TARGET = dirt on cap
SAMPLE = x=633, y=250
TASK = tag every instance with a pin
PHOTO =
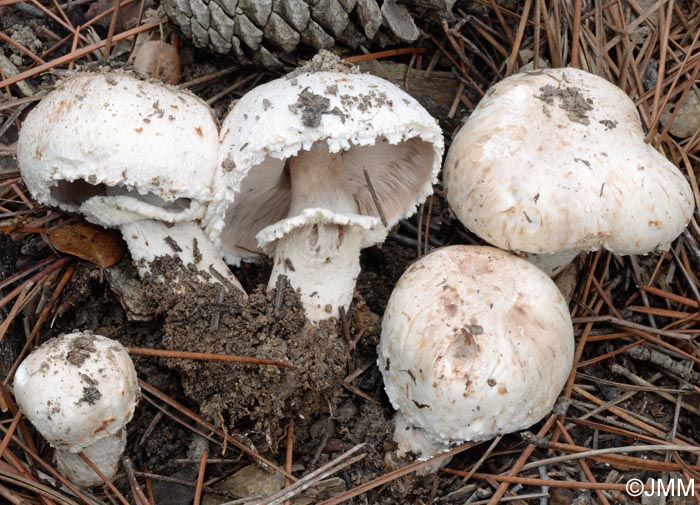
x=571, y=100
x=81, y=348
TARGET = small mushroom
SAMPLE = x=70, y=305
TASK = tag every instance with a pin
x=126, y=153
x=475, y=342
x=554, y=163
x=318, y=165
x=79, y=391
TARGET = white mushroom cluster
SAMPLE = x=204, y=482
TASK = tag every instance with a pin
x=311, y=168
x=307, y=168
x=477, y=342
x=79, y=391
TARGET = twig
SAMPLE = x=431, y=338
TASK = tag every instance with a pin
x=388, y=477
x=163, y=353
x=216, y=317
x=611, y=450
x=628, y=324
x=102, y=476
x=208, y=77
x=31, y=485
x=575, y=34
x=187, y=412
x=136, y=490
x=481, y=460
x=200, y=477
x=384, y=54
x=236, y=85
x=643, y=353
x=375, y=199
x=513, y=58
x=289, y=454
x=77, y=54
x=529, y=481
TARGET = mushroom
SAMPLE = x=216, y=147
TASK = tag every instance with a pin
x=318, y=165
x=554, y=163
x=79, y=390
x=475, y=342
x=131, y=154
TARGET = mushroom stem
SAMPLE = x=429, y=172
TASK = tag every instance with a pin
x=319, y=246
x=153, y=229
x=322, y=261
x=552, y=264
x=105, y=454
x=318, y=180
x=148, y=239
x=415, y=440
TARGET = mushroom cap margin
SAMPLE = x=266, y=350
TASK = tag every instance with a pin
x=117, y=130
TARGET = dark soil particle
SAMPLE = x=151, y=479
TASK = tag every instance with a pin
x=312, y=108
x=8, y=256
x=323, y=61
x=86, y=304
x=381, y=269
x=81, y=348
x=571, y=100
x=90, y=395
x=164, y=441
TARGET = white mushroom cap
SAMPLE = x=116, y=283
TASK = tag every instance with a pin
x=555, y=161
x=475, y=343
x=130, y=154
x=114, y=130
x=375, y=125
x=296, y=156
x=77, y=389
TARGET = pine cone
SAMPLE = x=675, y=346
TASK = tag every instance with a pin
x=258, y=30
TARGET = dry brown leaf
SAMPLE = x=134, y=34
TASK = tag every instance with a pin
x=90, y=242
x=159, y=60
